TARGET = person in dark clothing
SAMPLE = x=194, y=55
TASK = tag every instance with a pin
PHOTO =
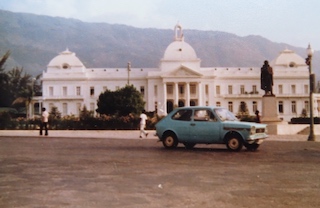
x=257, y=120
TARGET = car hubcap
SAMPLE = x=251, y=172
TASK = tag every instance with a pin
x=169, y=141
x=234, y=143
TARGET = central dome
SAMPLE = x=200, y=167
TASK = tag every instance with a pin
x=179, y=50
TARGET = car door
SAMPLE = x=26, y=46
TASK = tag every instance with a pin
x=181, y=124
x=205, y=127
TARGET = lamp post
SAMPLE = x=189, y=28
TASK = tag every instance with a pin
x=129, y=69
x=311, y=83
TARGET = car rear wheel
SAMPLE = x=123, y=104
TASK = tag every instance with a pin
x=234, y=143
x=170, y=141
x=189, y=145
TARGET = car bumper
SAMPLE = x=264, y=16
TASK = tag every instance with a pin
x=257, y=138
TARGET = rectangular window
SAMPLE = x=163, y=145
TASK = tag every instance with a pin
x=192, y=89
x=64, y=91
x=218, y=104
x=306, y=89
x=254, y=106
x=293, y=107
x=155, y=90
x=78, y=108
x=170, y=89
x=50, y=91
x=306, y=105
x=91, y=91
x=78, y=90
x=280, y=107
x=241, y=89
x=218, y=89
x=207, y=89
x=293, y=89
x=280, y=88
x=230, y=106
x=230, y=89
x=142, y=90
x=181, y=89
x=64, y=109
x=254, y=89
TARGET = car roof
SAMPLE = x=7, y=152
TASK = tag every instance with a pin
x=197, y=107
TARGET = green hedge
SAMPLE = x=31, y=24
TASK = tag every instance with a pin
x=74, y=123
x=304, y=120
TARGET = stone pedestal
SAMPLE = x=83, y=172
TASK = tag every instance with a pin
x=269, y=110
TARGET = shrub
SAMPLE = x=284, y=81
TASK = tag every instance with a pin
x=304, y=120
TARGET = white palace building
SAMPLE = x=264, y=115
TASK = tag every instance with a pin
x=178, y=81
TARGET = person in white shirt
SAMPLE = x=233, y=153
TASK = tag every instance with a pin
x=44, y=122
x=143, y=121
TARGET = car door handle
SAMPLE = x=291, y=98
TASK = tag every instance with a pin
x=192, y=124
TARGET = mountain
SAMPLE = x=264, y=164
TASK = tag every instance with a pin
x=35, y=39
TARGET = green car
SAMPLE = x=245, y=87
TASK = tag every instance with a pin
x=209, y=125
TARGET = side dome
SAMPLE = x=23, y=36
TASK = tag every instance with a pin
x=288, y=58
x=65, y=60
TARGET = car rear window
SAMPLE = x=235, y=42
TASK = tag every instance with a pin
x=182, y=115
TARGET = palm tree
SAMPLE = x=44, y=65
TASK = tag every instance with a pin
x=22, y=86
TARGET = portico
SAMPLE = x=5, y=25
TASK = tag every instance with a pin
x=179, y=94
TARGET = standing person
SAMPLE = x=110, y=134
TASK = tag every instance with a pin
x=143, y=120
x=257, y=117
x=44, y=121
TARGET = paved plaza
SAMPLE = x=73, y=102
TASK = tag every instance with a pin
x=120, y=170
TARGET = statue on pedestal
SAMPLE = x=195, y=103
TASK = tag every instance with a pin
x=267, y=78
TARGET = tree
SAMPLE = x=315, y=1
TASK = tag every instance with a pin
x=4, y=82
x=85, y=113
x=21, y=88
x=243, y=110
x=121, y=102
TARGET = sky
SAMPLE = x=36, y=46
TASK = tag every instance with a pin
x=295, y=22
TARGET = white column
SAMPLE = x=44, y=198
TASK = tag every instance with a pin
x=164, y=98
x=30, y=114
x=188, y=94
x=200, y=94
x=176, y=94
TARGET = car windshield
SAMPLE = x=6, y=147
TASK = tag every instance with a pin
x=225, y=115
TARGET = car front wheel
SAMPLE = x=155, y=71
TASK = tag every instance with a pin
x=170, y=141
x=234, y=143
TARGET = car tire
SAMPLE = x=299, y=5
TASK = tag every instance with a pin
x=234, y=143
x=252, y=147
x=189, y=145
x=170, y=141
